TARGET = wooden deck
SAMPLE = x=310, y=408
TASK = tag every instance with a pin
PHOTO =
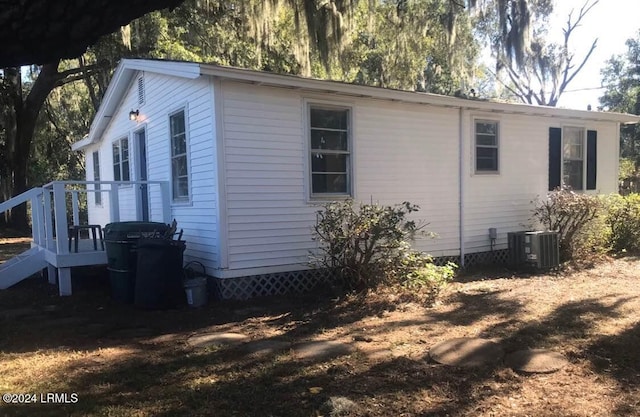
x=50, y=218
x=85, y=256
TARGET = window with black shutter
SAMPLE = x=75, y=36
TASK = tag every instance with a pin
x=573, y=158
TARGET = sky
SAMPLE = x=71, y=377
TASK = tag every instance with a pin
x=612, y=22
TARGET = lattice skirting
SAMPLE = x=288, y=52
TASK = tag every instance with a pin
x=496, y=257
x=301, y=282
x=280, y=283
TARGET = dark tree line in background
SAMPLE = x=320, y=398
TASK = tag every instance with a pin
x=424, y=45
x=621, y=79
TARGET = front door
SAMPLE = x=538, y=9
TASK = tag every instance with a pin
x=143, y=198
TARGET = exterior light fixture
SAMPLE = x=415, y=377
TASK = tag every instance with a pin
x=133, y=115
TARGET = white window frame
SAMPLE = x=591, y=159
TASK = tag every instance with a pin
x=95, y=161
x=180, y=200
x=120, y=164
x=583, y=159
x=477, y=171
x=310, y=151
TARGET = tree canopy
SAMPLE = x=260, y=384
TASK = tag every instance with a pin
x=425, y=45
x=621, y=80
x=41, y=31
x=528, y=65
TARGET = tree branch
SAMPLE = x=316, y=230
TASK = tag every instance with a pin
x=70, y=75
x=566, y=78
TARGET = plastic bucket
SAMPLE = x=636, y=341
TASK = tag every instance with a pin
x=196, y=291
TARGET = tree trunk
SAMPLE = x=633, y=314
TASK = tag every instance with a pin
x=20, y=133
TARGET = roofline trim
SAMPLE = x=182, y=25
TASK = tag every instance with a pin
x=127, y=68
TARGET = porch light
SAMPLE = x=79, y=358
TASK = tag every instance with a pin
x=133, y=114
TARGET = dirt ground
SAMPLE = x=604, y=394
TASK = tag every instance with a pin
x=12, y=246
x=121, y=361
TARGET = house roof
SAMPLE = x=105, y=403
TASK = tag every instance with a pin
x=128, y=68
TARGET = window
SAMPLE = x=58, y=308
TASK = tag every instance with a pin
x=486, y=133
x=121, y=160
x=573, y=157
x=179, y=167
x=96, y=177
x=329, y=151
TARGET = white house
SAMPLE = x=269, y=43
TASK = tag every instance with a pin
x=250, y=155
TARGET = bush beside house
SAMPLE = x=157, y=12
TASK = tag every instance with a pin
x=366, y=245
x=589, y=225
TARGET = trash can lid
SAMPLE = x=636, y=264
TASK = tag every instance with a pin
x=120, y=230
x=152, y=242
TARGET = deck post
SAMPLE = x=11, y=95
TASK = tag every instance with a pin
x=62, y=235
x=166, y=203
x=52, y=274
x=76, y=209
x=64, y=281
x=48, y=221
x=37, y=220
x=60, y=213
x=114, y=204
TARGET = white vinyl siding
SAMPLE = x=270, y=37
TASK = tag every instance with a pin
x=165, y=95
x=268, y=217
x=396, y=159
x=393, y=159
x=505, y=201
x=397, y=152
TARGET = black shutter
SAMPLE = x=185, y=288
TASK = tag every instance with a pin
x=592, y=158
x=555, y=157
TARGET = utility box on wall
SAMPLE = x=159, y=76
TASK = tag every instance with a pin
x=538, y=249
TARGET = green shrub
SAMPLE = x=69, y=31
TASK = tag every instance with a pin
x=364, y=245
x=570, y=214
x=593, y=239
x=422, y=275
x=623, y=219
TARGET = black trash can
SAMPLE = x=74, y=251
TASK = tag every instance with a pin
x=120, y=240
x=158, y=283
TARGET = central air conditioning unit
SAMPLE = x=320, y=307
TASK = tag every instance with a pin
x=538, y=249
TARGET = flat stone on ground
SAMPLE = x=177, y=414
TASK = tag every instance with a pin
x=320, y=349
x=130, y=333
x=163, y=338
x=535, y=361
x=466, y=352
x=15, y=313
x=216, y=339
x=68, y=321
x=264, y=347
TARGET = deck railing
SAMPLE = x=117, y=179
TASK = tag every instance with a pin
x=51, y=214
x=33, y=196
x=55, y=200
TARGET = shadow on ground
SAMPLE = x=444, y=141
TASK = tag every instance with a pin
x=123, y=361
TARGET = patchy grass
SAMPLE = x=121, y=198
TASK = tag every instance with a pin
x=125, y=362
x=12, y=246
